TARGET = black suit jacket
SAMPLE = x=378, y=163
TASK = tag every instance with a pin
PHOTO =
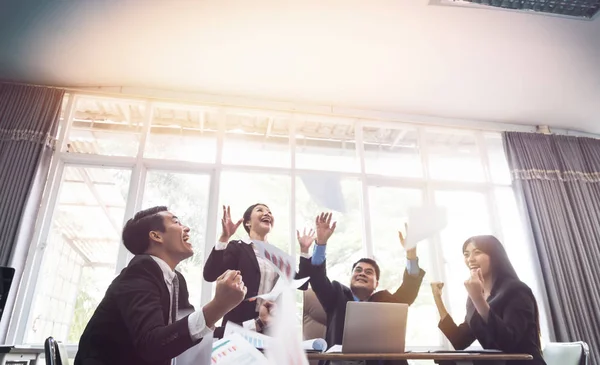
x=237, y=256
x=130, y=324
x=512, y=325
x=333, y=296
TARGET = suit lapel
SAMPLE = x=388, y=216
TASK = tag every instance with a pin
x=165, y=298
x=249, y=252
x=249, y=257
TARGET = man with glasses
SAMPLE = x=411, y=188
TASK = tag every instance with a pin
x=333, y=296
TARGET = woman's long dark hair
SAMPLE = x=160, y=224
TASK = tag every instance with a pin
x=500, y=266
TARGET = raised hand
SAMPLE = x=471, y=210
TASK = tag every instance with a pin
x=228, y=226
x=474, y=285
x=436, y=288
x=412, y=253
x=306, y=239
x=324, y=228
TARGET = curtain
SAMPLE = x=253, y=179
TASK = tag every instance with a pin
x=558, y=178
x=29, y=118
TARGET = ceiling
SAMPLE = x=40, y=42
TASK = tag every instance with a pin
x=405, y=55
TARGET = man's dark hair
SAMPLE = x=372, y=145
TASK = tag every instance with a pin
x=370, y=262
x=248, y=213
x=136, y=230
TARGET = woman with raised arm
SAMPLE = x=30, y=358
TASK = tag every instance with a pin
x=502, y=313
x=259, y=274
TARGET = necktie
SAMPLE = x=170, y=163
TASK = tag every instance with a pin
x=175, y=299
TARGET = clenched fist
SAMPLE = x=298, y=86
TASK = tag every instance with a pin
x=436, y=288
x=230, y=289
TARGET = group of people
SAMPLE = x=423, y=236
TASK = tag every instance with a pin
x=145, y=316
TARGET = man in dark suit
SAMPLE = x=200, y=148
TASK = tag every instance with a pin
x=333, y=296
x=137, y=321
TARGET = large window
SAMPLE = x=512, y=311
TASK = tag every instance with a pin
x=80, y=251
x=187, y=196
x=118, y=156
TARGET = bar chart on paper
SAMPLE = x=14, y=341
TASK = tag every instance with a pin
x=257, y=340
x=236, y=350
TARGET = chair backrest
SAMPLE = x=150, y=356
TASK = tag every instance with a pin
x=566, y=353
x=55, y=352
x=314, y=319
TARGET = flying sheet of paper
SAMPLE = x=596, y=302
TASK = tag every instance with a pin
x=325, y=189
x=257, y=340
x=284, y=264
x=424, y=222
x=286, y=346
x=279, y=287
x=198, y=354
x=235, y=350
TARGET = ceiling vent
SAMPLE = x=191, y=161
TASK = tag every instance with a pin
x=580, y=9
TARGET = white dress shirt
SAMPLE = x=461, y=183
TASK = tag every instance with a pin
x=196, y=322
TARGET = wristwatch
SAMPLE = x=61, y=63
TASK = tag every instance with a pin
x=260, y=325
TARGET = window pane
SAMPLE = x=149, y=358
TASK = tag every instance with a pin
x=386, y=220
x=106, y=127
x=186, y=195
x=180, y=133
x=240, y=190
x=392, y=152
x=345, y=246
x=468, y=216
x=256, y=141
x=81, y=252
x=498, y=164
x=454, y=155
x=323, y=146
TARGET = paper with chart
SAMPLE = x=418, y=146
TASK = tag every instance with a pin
x=235, y=350
x=284, y=264
x=257, y=340
x=198, y=354
x=424, y=222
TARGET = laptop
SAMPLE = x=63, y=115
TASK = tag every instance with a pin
x=374, y=327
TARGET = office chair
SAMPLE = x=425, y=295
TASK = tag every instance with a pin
x=55, y=352
x=566, y=353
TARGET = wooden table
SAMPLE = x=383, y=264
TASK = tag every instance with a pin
x=435, y=356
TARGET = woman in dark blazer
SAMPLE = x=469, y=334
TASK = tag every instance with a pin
x=502, y=313
x=259, y=274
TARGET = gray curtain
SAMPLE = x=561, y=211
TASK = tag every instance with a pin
x=558, y=178
x=28, y=123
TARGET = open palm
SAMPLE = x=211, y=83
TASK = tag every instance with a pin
x=324, y=227
x=306, y=239
x=229, y=227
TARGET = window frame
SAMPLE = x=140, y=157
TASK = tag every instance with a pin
x=140, y=165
